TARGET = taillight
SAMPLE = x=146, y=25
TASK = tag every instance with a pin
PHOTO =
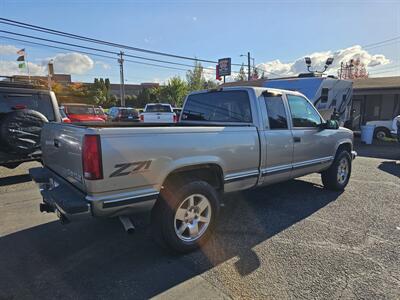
x=175, y=118
x=141, y=118
x=91, y=158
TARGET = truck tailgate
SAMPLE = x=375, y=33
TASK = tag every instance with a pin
x=62, y=151
x=158, y=117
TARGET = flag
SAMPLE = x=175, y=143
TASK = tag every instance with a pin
x=21, y=65
x=21, y=52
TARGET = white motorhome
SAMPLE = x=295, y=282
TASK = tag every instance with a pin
x=331, y=96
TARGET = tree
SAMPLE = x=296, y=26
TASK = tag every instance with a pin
x=255, y=74
x=175, y=91
x=195, y=78
x=210, y=84
x=242, y=74
x=99, y=92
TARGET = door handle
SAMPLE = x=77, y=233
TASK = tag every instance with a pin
x=296, y=139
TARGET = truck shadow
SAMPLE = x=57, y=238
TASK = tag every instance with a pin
x=15, y=179
x=96, y=259
x=391, y=167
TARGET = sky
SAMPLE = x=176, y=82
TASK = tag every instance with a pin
x=278, y=34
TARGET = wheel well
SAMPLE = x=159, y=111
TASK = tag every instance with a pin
x=344, y=146
x=381, y=128
x=210, y=173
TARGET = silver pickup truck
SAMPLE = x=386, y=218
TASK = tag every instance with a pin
x=227, y=140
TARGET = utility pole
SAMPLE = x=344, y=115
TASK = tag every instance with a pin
x=50, y=74
x=121, y=72
x=248, y=67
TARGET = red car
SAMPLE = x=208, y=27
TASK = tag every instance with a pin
x=81, y=113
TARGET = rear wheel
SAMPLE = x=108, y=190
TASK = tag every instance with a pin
x=338, y=174
x=185, y=216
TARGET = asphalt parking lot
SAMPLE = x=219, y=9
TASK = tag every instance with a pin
x=289, y=241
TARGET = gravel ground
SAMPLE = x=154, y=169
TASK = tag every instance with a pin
x=294, y=240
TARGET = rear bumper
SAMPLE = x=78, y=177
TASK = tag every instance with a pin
x=69, y=203
x=60, y=196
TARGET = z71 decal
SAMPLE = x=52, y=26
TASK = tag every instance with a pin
x=130, y=168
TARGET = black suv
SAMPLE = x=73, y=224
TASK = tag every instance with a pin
x=123, y=114
x=23, y=112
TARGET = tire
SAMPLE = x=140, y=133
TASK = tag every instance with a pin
x=381, y=132
x=331, y=178
x=168, y=216
x=20, y=131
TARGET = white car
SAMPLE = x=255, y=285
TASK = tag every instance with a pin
x=158, y=113
x=383, y=128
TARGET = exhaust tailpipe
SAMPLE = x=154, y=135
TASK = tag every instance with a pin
x=127, y=223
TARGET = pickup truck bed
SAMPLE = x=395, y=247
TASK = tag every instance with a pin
x=228, y=140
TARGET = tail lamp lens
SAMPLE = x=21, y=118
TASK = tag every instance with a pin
x=92, y=164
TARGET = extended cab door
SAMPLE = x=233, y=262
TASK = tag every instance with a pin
x=313, y=147
x=277, y=137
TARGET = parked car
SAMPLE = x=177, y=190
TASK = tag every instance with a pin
x=158, y=113
x=98, y=110
x=123, y=114
x=383, y=128
x=81, y=113
x=63, y=115
x=228, y=140
x=24, y=110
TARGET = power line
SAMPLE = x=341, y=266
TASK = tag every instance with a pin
x=98, y=49
x=84, y=38
x=381, y=42
x=111, y=44
x=90, y=53
x=94, y=49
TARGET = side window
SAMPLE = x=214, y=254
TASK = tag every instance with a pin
x=221, y=106
x=276, y=111
x=324, y=95
x=303, y=113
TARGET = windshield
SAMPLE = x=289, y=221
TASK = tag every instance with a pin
x=79, y=110
x=158, y=108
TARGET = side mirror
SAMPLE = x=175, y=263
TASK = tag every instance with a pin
x=330, y=124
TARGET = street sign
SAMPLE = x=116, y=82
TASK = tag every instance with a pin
x=224, y=66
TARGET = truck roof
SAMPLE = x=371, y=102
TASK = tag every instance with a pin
x=258, y=90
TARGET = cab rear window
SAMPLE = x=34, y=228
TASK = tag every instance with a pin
x=221, y=106
x=41, y=103
x=158, y=108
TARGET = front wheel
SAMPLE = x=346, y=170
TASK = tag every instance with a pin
x=185, y=216
x=338, y=175
x=381, y=133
